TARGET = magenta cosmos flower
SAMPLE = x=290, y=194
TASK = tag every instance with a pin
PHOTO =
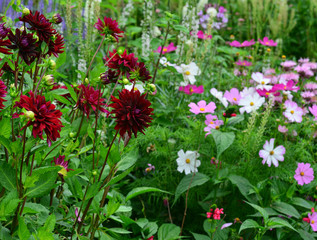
x=313, y=220
x=270, y=154
x=313, y=111
x=235, y=43
x=233, y=96
x=293, y=113
x=268, y=42
x=169, y=48
x=304, y=174
x=243, y=63
x=202, y=107
x=202, y=35
x=190, y=89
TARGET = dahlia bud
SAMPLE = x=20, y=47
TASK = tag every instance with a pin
x=86, y=80
x=94, y=172
x=152, y=87
x=57, y=19
x=283, y=56
x=29, y=115
x=71, y=134
x=125, y=81
x=22, y=28
x=25, y=12
x=52, y=64
x=49, y=80
x=121, y=50
x=13, y=91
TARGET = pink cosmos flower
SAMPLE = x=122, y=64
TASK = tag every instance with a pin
x=233, y=96
x=313, y=111
x=310, y=86
x=243, y=63
x=303, y=60
x=313, y=220
x=202, y=35
x=293, y=113
x=265, y=93
x=304, y=174
x=190, y=89
x=282, y=129
x=169, y=48
x=270, y=154
x=213, y=125
x=268, y=42
x=311, y=65
x=304, y=71
x=290, y=86
x=235, y=43
x=288, y=65
x=289, y=76
x=202, y=107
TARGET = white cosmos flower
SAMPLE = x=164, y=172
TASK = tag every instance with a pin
x=165, y=63
x=189, y=72
x=137, y=86
x=187, y=161
x=251, y=103
x=259, y=78
x=270, y=154
x=247, y=91
x=219, y=95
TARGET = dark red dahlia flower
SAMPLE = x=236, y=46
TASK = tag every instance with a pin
x=140, y=73
x=25, y=43
x=109, y=77
x=42, y=115
x=60, y=161
x=131, y=111
x=90, y=98
x=124, y=63
x=3, y=31
x=109, y=27
x=57, y=19
x=3, y=93
x=56, y=46
x=5, y=43
x=40, y=24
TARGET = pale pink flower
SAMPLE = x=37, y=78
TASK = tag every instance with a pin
x=202, y=35
x=268, y=42
x=288, y=65
x=262, y=81
x=310, y=86
x=288, y=76
x=219, y=95
x=270, y=154
x=313, y=111
x=293, y=113
x=226, y=225
x=282, y=129
x=313, y=221
x=243, y=63
x=303, y=60
x=233, y=96
x=311, y=65
x=304, y=71
x=202, y=107
x=304, y=174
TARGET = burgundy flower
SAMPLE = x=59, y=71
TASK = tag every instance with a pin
x=140, y=73
x=57, y=19
x=56, y=46
x=3, y=31
x=42, y=115
x=108, y=27
x=40, y=24
x=124, y=63
x=89, y=98
x=109, y=77
x=3, y=93
x=60, y=161
x=3, y=44
x=131, y=111
x=25, y=43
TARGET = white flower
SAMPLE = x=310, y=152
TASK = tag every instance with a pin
x=251, y=103
x=156, y=32
x=259, y=78
x=212, y=12
x=219, y=95
x=201, y=4
x=187, y=161
x=247, y=91
x=189, y=72
x=270, y=154
x=137, y=86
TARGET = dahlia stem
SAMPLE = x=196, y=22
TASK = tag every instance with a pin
x=80, y=125
x=38, y=84
x=95, y=133
x=22, y=159
x=161, y=53
x=16, y=72
x=95, y=55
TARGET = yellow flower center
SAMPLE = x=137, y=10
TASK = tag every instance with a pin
x=202, y=109
x=164, y=49
x=312, y=221
x=187, y=73
x=191, y=90
x=262, y=82
x=292, y=111
x=217, y=127
x=187, y=160
x=63, y=171
x=267, y=43
x=251, y=103
x=272, y=153
x=267, y=93
x=235, y=99
x=211, y=122
x=243, y=63
x=302, y=173
x=148, y=170
x=135, y=89
x=284, y=87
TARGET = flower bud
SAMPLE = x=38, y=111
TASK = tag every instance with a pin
x=71, y=134
x=86, y=80
x=268, y=50
x=57, y=19
x=22, y=28
x=52, y=64
x=49, y=80
x=125, y=81
x=25, y=12
x=94, y=172
x=29, y=115
x=152, y=87
x=121, y=50
x=283, y=57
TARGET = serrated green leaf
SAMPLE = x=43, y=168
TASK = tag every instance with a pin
x=5, y=127
x=127, y=161
x=71, y=92
x=302, y=203
x=277, y=222
x=7, y=176
x=23, y=231
x=200, y=236
x=244, y=186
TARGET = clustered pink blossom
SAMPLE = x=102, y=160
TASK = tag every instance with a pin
x=190, y=89
x=215, y=214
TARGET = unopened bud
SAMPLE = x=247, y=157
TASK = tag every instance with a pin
x=152, y=87
x=29, y=115
x=86, y=80
x=22, y=28
x=94, y=172
x=52, y=64
x=268, y=50
x=121, y=50
x=25, y=12
x=71, y=134
x=125, y=81
x=57, y=19
x=49, y=80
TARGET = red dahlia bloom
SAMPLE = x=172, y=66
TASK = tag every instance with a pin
x=89, y=98
x=46, y=117
x=124, y=63
x=131, y=111
x=55, y=47
x=60, y=161
x=3, y=93
x=140, y=73
x=40, y=24
x=108, y=27
x=109, y=77
x=5, y=43
x=3, y=30
x=25, y=43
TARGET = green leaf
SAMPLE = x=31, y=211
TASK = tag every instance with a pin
x=118, y=230
x=62, y=99
x=305, y=235
x=45, y=181
x=50, y=223
x=244, y=186
x=8, y=205
x=5, y=127
x=286, y=208
x=249, y=223
x=119, y=177
x=23, y=231
x=261, y=210
x=199, y=179
x=7, y=176
x=180, y=28
x=302, y=203
x=277, y=222
x=223, y=140
x=234, y=120
x=200, y=236
x=291, y=191
x=72, y=92
x=140, y=190
x=168, y=231
x=128, y=160
x=6, y=143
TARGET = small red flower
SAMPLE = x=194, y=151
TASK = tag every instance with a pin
x=40, y=24
x=89, y=98
x=3, y=93
x=42, y=116
x=56, y=46
x=108, y=27
x=131, y=111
